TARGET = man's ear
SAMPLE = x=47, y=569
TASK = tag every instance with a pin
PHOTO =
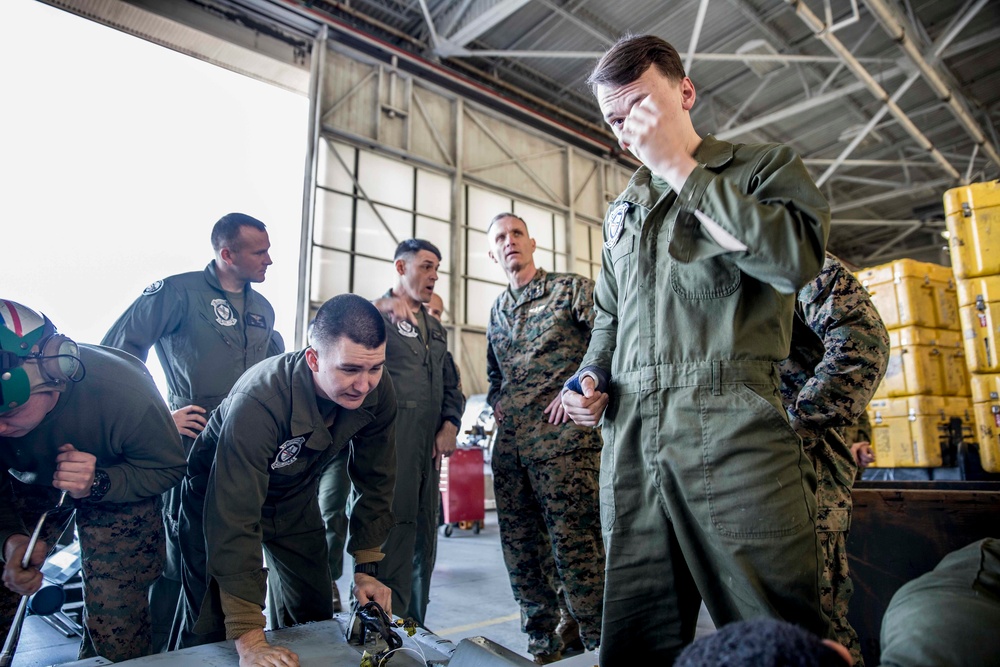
x=688, y=94
x=400, y=266
x=492, y=256
x=226, y=255
x=312, y=360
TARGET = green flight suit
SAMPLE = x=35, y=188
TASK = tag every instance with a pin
x=416, y=359
x=115, y=413
x=839, y=353
x=706, y=492
x=204, y=344
x=948, y=616
x=545, y=475
x=252, y=481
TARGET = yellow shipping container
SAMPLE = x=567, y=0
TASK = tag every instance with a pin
x=911, y=293
x=907, y=432
x=979, y=310
x=986, y=405
x=985, y=387
x=925, y=362
x=973, y=218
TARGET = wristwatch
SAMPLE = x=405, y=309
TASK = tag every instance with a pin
x=371, y=569
x=101, y=485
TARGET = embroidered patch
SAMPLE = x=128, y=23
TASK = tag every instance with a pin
x=616, y=223
x=153, y=288
x=288, y=453
x=536, y=309
x=406, y=329
x=224, y=314
x=255, y=320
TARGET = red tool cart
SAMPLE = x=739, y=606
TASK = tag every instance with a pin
x=462, y=490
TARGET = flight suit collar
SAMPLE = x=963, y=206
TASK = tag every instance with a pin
x=645, y=189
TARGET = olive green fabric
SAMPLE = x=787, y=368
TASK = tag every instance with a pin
x=705, y=489
x=427, y=397
x=203, y=344
x=948, y=616
x=255, y=470
x=115, y=413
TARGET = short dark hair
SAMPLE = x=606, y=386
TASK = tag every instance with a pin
x=347, y=315
x=226, y=232
x=413, y=246
x=631, y=56
x=500, y=216
x=760, y=642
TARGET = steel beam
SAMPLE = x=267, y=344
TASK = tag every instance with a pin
x=891, y=194
x=699, y=21
x=485, y=21
x=894, y=26
x=820, y=31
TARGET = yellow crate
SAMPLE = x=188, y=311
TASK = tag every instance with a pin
x=980, y=328
x=985, y=387
x=973, y=218
x=911, y=293
x=973, y=290
x=907, y=431
x=925, y=362
x=988, y=434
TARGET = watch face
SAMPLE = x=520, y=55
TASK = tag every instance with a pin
x=101, y=485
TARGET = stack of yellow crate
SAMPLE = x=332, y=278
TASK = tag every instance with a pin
x=926, y=383
x=973, y=218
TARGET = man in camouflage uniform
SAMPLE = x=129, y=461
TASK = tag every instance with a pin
x=545, y=470
x=89, y=421
x=839, y=353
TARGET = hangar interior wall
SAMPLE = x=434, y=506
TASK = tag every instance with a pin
x=398, y=157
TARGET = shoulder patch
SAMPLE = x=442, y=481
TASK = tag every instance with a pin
x=153, y=288
x=616, y=223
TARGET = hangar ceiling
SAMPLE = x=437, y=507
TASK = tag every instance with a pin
x=889, y=102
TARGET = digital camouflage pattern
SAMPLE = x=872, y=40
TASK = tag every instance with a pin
x=839, y=353
x=123, y=552
x=545, y=476
x=550, y=525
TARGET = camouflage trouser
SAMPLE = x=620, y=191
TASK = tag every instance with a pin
x=122, y=549
x=550, y=527
x=836, y=589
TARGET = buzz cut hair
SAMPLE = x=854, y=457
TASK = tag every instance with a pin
x=347, y=315
x=630, y=57
x=500, y=216
x=226, y=232
x=760, y=642
x=411, y=247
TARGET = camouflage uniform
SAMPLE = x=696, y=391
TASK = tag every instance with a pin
x=115, y=413
x=545, y=476
x=838, y=356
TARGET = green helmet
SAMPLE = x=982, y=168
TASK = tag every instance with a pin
x=33, y=356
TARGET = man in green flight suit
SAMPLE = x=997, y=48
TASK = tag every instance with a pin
x=706, y=493
x=207, y=327
x=89, y=421
x=253, y=474
x=430, y=414
x=545, y=471
x=839, y=353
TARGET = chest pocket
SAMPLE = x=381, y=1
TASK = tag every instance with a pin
x=540, y=321
x=438, y=346
x=292, y=462
x=712, y=278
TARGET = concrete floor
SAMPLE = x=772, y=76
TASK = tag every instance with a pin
x=470, y=597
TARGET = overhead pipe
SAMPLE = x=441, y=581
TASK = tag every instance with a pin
x=892, y=25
